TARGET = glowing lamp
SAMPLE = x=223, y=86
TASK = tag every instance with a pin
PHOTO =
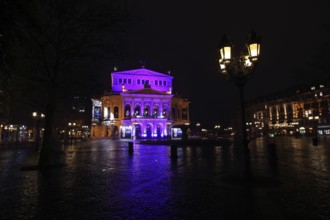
x=253, y=46
x=225, y=50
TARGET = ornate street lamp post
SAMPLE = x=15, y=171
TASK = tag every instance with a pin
x=38, y=116
x=315, y=116
x=239, y=70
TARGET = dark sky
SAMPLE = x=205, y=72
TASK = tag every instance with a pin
x=182, y=36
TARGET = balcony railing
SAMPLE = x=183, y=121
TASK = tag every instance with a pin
x=146, y=116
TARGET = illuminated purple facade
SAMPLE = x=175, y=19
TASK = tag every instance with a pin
x=140, y=105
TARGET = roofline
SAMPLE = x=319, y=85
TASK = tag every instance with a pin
x=133, y=71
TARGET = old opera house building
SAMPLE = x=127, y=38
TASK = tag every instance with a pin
x=139, y=105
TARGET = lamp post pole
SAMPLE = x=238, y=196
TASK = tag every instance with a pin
x=38, y=135
x=245, y=141
x=315, y=138
x=239, y=70
x=315, y=120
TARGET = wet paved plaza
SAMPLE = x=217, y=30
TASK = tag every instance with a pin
x=100, y=179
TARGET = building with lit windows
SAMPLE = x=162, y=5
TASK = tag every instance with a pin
x=302, y=111
x=13, y=133
x=139, y=105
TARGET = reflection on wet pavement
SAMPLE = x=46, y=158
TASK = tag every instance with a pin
x=101, y=180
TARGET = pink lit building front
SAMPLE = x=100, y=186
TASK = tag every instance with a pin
x=140, y=106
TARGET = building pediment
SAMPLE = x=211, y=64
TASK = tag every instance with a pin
x=142, y=72
x=147, y=91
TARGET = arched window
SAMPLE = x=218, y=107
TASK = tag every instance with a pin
x=155, y=111
x=164, y=112
x=146, y=110
x=127, y=111
x=116, y=112
x=137, y=110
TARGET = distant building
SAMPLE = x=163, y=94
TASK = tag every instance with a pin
x=13, y=133
x=140, y=105
x=302, y=111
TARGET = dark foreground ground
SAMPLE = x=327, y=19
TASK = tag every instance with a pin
x=100, y=179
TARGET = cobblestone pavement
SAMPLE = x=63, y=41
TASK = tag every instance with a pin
x=100, y=179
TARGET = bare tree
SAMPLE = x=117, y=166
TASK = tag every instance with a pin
x=56, y=42
x=6, y=96
x=5, y=82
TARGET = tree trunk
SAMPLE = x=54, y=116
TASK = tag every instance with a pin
x=45, y=156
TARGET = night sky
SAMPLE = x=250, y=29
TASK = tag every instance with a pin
x=182, y=36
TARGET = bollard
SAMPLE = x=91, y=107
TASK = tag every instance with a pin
x=272, y=151
x=130, y=147
x=315, y=141
x=174, y=152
